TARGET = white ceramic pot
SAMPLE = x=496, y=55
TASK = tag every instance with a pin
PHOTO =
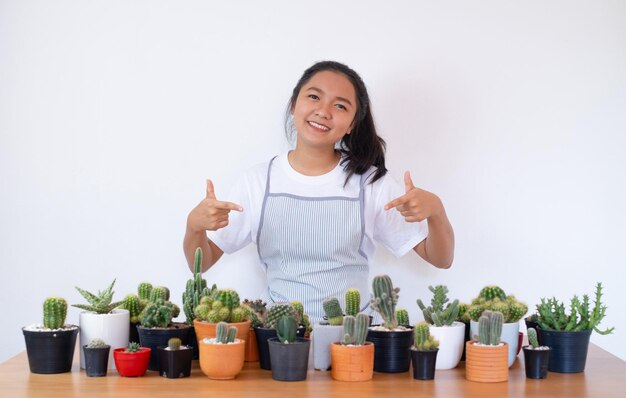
x=510, y=334
x=451, y=340
x=112, y=328
x=322, y=337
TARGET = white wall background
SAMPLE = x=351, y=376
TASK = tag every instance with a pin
x=113, y=113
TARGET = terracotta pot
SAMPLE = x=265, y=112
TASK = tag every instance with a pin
x=252, y=348
x=221, y=361
x=131, y=364
x=352, y=363
x=509, y=335
x=486, y=364
x=206, y=330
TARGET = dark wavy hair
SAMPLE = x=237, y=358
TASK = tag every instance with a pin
x=362, y=148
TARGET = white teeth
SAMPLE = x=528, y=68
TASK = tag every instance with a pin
x=319, y=126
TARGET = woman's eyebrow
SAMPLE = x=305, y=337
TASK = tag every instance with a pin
x=322, y=92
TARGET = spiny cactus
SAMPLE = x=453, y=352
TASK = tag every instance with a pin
x=402, y=316
x=463, y=315
x=353, y=301
x=134, y=305
x=133, y=346
x=195, y=289
x=286, y=329
x=490, y=327
x=385, y=300
x=160, y=292
x=144, y=290
x=54, y=312
x=277, y=311
x=492, y=292
x=101, y=303
x=532, y=337
x=304, y=318
x=97, y=343
x=355, y=329
x=423, y=341
x=223, y=305
x=437, y=314
x=157, y=314
x=333, y=312
x=493, y=298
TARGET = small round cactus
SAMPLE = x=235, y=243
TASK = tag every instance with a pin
x=174, y=344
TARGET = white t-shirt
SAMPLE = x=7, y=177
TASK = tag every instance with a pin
x=386, y=227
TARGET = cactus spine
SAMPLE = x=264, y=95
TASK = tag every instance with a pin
x=54, y=312
x=385, y=300
x=422, y=340
x=286, y=329
x=332, y=309
x=490, y=328
x=353, y=301
x=402, y=316
x=532, y=337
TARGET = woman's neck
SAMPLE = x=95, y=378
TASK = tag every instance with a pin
x=313, y=163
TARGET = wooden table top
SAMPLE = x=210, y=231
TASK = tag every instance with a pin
x=604, y=376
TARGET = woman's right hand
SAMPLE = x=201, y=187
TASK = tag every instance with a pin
x=210, y=214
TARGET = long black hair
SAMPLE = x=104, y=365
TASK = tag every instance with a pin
x=362, y=148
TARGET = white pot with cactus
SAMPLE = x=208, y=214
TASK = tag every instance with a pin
x=441, y=316
x=101, y=320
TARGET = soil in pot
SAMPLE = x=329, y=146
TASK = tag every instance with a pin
x=96, y=361
x=52, y=351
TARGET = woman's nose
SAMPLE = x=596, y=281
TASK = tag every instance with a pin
x=323, y=110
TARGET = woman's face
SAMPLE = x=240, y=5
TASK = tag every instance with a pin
x=324, y=110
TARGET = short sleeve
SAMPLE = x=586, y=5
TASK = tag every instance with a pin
x=238, y=233
x=390, y=228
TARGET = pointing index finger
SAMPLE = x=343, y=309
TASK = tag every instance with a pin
x=396, y=202
x=227, y=205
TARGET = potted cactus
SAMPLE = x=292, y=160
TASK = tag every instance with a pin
x=441, y=315
x=96, y=357
x=567, y=334
x=175, y=359
x=135, y=306
x=266, y=329
x=50, y=347
x=424, y=352
x=327, y=332
x=156, y=326
x=222, y=356
x=289, y=354
x=536, y=357
x=352, y=357
x=101, y=319
x=487, y=359
x=132, y=360
x=391, y=341
x=493, y=298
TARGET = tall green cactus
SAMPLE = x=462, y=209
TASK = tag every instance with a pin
x=490, y=327
x=225, y=334
x=423, y=341
x=353, y=301
x=195, y=289
x=402, y=316
x=286, y=329
x=385, y=300
x=54, y=312
x=436, y=314
x=333, y=312
x=355, y=329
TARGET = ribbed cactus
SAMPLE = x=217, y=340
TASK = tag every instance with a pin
x=440, y=312
x=54, y=312
x=463, y=315
x=100, y=303
x=355, y=329
x=532, y=337
x=492, y=292
x=158, y=313
x=134, y=305
x=490, y=327
x=195, y=289
x=493, y=298
x=385, y=300
x=160, y=292
x=353, y=301
x=174, y=344
x=225, y=334
x=423, y=341
x=144, y=290
x=333, y=312
x=402, y=316
x=286, y=329
x=277, y=311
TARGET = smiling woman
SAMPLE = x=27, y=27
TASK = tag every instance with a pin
x=316, y=212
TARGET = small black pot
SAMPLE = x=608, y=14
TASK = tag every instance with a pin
x=175, y=364
x=50, y=352
x=568, y=353
x=193, y=343
x=536, y=363
x=467, y=338
x=424, y=364
x=391, y=350
x=96, y=361
x=290, y=361
x=154, y=338
x=262, y=335
x=133, y=334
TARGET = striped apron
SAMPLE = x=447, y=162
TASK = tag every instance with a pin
x=311, y=247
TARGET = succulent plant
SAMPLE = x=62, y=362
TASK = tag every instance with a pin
x=402, y=316
x=133, y=346
x=385, y=300
x=441, y=312
x=277, y=311
x=463, y=315
x=355, y=329
x=286, y=329
x=195, y=289
x=134, y=305
x=54, y=312
x=257, y=310
x=422, y=340
x=532, y=337
x=333, y=312
x=100, y=303
x=493, y=298
x=490, y=327
x=353, y=301
x=158, y=314
x=97, y=343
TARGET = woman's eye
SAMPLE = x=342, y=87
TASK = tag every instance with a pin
x=313, y=97
x=343, y=108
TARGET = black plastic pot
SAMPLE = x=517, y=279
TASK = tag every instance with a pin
x=536, y=363
x=467, y=338
x=154, y=338
x=262, y=335
x=193, y=343
x=133, y=335
x=50, y=352
x=423, y=363
x=391, y=350
x=290, y=361
x=175, y=363
x=568, y=350
x=96, y=361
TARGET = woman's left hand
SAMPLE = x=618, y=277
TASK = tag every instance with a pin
x=416, y=204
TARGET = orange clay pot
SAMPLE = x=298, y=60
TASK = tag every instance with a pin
x=221, y=361
x=207, y=329
x=252, y=348
x=352, y=363
x=486, y=364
